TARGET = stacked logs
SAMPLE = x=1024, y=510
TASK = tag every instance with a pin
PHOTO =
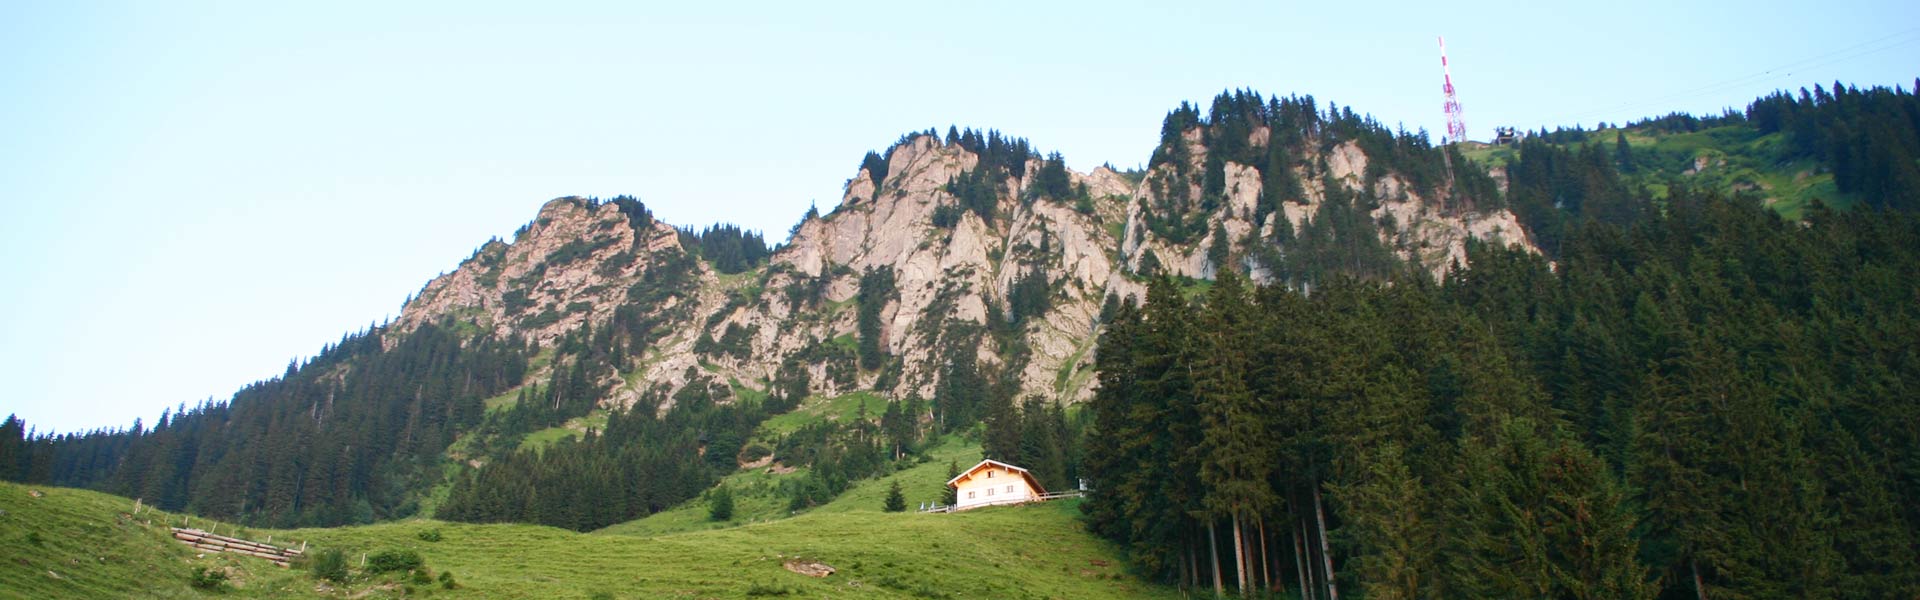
x=212, y=542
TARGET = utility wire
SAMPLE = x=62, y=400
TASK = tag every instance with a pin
x=1874, y=46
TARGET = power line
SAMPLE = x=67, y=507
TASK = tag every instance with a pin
x=1874, y=46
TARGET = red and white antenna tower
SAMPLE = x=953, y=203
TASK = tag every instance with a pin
x=1456, y=130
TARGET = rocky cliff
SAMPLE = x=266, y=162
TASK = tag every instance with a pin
x=955, y=263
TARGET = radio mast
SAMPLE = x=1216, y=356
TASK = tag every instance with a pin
x=1456, y=130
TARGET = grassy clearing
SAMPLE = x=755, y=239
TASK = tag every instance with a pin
x=923, y=482
x=573, y=428
x=503, y=401
x=1034, y=551
x=815, y=409
x=1191, y=288
x=757, y=497
x=540, y=361
x=437, y=495
x=1066, y=378
x=737, y=280
x=1736, y=158
x=743, y=393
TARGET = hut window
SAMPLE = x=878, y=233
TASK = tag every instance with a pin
x=1009, y=489
x=989, y=491
x=969, y=495
x=989, y=474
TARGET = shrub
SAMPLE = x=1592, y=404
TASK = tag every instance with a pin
x=754, y=451
x=767, y=589
x=331, y=565
x=207, y=578
x=721, y=504
x=393, y=560
x=420, y=577
x=430, y=535
x=446, y=580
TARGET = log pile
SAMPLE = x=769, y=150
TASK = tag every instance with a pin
x=212, y=542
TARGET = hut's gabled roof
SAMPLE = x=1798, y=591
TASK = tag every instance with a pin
x=1024, y=474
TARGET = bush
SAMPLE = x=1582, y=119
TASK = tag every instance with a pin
x=446, y=580
x=393, y=560
x=754, y=451
x=721, y=504
x=767, y=589
x=420, y=577
x=331, y=565
x=207, y=578
x=430, y=535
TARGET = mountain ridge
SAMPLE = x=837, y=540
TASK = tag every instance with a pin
x=891, y=218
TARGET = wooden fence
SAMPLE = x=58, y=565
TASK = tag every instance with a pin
x=942, y=508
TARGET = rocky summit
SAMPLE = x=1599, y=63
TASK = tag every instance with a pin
x=1092, y=239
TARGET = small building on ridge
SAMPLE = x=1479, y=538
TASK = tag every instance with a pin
x=993, y=482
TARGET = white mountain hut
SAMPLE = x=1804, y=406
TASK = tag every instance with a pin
x=993, y=483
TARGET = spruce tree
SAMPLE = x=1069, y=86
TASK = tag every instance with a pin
x=896, y=500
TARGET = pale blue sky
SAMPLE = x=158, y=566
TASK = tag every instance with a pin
x=193, y=193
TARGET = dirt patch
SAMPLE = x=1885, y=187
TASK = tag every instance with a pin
x=810, y=568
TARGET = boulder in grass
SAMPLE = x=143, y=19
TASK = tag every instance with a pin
x=810, y=568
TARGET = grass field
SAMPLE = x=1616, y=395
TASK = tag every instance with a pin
x=81, y=544
x=1735, y=158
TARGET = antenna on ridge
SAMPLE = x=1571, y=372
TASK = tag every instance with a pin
x=1456, y=130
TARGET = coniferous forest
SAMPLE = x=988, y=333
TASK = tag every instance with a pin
x=1692, y=398
x=1680, y=395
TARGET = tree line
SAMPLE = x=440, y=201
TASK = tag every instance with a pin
x=346, y=437
x=1705, y=401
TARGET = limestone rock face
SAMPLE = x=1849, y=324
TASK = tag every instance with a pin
x=1418, y=230
x=569, y=267
x=580, y=261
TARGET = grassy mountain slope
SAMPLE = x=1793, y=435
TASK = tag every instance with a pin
x=72, y=543
x=93, y=550
x=1729, y=158
x=757, y=497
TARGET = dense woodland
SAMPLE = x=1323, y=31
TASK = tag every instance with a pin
x=1694, y=399
x=350, y=436
x=1685, y=396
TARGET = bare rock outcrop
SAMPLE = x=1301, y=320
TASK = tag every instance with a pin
x=953, y=269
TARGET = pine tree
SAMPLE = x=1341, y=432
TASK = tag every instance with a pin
x=950, y=495
x=1237, y=451
x=896, y=500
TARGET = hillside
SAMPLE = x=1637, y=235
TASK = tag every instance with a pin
x=961, y=277
x=1288, y=307
x=83, y=544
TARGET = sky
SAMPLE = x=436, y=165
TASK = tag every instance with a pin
x=193, y=194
